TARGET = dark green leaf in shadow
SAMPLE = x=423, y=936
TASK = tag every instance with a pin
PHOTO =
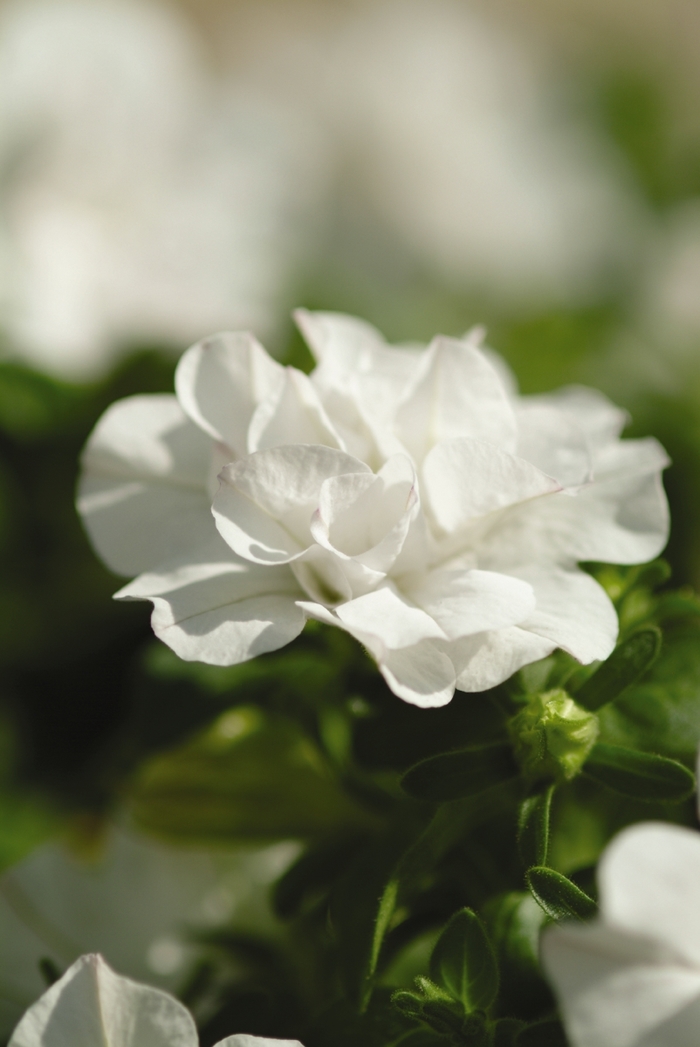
x=362, y=905
x=249, y=776
x=533, y=828
x=643, y=776
x=464, y=964
x=626, y=664
x=542, y=1034
x=514, y=921
x=558, y=896
x=505, y=1032
x=452, y=776
x=314, y=871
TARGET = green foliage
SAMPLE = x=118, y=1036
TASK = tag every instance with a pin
x=463, y=963
x=533, y=828
x=514, y=921
x=630, y=660
x=643, y=776
x=452, y=776
x=558, y=897
x=249, y=776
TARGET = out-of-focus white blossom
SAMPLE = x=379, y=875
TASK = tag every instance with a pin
x=404, y=494
x=447, y=127
x=143, y=199
x=146, y=197
x=632, y=977
x=134, y=903
x=92, y=1005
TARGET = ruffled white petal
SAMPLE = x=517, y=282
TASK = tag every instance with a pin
x=91, y=1005
x=388, y=617
x=220, y=382
x=264, y=505
x=487, y=659
x=337, y=339
x=573, y=611
x=600, y=419
x=213, y=607
x=367, y=517
x=143, y=491
x=466, y=602
x=617, y=989
x=553, y=441
x=294, y=415
x=329, y=580
x=361, y=380
x=649, y=881
x=466, y=478
x=620, y=518
x=422, y=675
x=456, y=393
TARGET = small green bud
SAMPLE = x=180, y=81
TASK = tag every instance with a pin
x=553, y=736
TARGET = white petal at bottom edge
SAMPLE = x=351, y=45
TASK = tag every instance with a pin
x=616, y=989
x=648, y=878
x=91, y=1004
x=244, y=1040
x=485, y=660
x=221, y=612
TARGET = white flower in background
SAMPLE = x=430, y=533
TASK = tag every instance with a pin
x=407, y=495
x=632, y=977
x=143, y=199
x=92, y=1005
x=135, y=903
x=449, y=138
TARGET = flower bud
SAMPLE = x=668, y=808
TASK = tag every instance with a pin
x=553, y=736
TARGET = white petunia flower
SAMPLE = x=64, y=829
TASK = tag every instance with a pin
x=135, y=902
x=144, y=199
x=406, y=495
x=92, y=1005
x=632, y=977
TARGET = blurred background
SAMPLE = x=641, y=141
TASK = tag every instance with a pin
x=169, y=169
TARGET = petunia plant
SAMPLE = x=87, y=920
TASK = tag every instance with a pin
x=419, y=626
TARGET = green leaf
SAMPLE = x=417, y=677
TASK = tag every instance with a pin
x=533, y=828
x=249, y=776
x=410, y=1004
x=452, y=776
x=362, y=906
x=340, y=1025
x=447, y=1019
x=431, y=991
x=626, y=664
x=450, y=823
x=463, y=962
x=643, y=776
x=558, y=896
x=514, y=921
